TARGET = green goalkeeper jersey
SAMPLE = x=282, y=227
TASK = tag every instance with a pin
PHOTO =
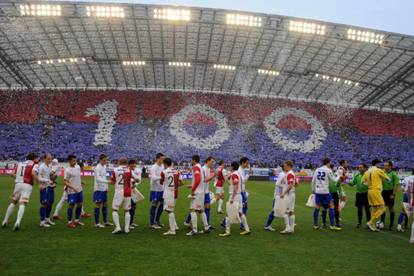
x=388, y=185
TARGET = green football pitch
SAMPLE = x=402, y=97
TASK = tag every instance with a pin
x=86, y=250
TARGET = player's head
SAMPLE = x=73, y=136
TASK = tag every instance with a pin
x=287, y=166
x=132, y=164
x=33, y=157
x=331, y=166
x=222, y=163
x=72, y=160
x=195, y=159
x=47, y=158
x=159, y=158
x=362, y=167
x=388, y=165
x=326, y=162
x=103, y=159
x=412, y=171
x=210, y=162
x=234, y=166
x=167, y=162
x=123, y=161
x=55, y=162
x=376, y=162
x=343, y=163
x=244, y=162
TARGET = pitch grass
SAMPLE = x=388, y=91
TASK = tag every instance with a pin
x=86, y=250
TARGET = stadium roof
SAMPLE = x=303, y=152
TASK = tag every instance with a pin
x=69, y=45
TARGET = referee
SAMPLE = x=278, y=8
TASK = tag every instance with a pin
x=389, y=190
x=361, y=196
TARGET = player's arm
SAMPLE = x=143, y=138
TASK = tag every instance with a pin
x=332, y=177
x=197, y=180
x=113, y=179
x=383, y=175
x=396, y=182
x=35, y=175
x=291, y=183
x=210, y=177
x=314, y=181
x=235, y=179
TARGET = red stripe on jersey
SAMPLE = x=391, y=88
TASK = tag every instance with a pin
x=197, y=177
x=291, y=179
x=127, y=183
x=28, y=177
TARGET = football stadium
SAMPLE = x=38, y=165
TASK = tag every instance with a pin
x=143, y=139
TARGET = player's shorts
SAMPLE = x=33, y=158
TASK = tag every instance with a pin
x=22, y=192
x=290, y=202
x=75, y=198
x=375, y=198
x=47, y=196
x=100, y=196
x=169, y=204
x=219, y=190
x=244, y=197
x=197, y=203
x=323, y=200
x=361, y=199
x=239, y=199
x=335, y=198
x=121, y=201
x=405, y=197
x=156, y=196
x=207, y=198
x=386, y=195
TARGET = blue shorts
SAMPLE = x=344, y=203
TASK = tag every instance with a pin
x=75, y=198
x=207, y=198
x=244, y=197
x=405, y=197
x=100, y=196
x=47, y=196
x=156, y=196
x=323, y=200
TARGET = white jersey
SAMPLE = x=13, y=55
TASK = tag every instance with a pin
x=169, y=184
x=20, y=172
x=207, y=172
x=73, y=175
x=283, y=181
x=137, y=174
x=243, y=178
x=409, y=184
x=44, y=175
x=119, y=178
x=155, y=173
x=200, y=188
x=233, y=177
x=100, y=180
x=321, y=178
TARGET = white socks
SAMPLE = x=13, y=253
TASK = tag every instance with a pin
x=227, y=225
x=127, y=221
x=204, y=220
x=171, y=220
x=20, y=213
x=9, y=212
x=292, y=222
x=59, y=206
x=286, y=220
x=412, y=232
x=244, y=222
x=194, y=221
x=220, y=205
x=115, y=218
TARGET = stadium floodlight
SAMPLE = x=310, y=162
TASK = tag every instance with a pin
x=224, y=67
x=336, y=79
x=365, y=36
x=40, y=10
x=172, y=14
x=179, y=64
x=243, y=20
x=133, y=63
x=307, y=28
x=61, y=60
x=105, y=11
x=268, y=72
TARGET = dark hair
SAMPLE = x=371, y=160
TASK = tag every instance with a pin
x=159, y=155
x=196, y=158
x=244, y=159
x=132, y=162
x=412, y=171
x=168, y=162
x=375, y=162
x=326, y=161
x=390, y=163
x=332, y=166
x=289, y=163
x=32, y=156
x=71, y=157
x=364, y=165
x=210, y=158
x=342, y=162
x=102, y=156
x=221, y=162
x=123, y=161
x=235, y=165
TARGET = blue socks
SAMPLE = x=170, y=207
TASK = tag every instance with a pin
x=159, y=212
x=207, y=211
x=105, y=214
x=96, y=212
x=401, y=218
x=188, y=220
x=70, y=212
x=270, y=219
x=315, y=216
x=331, y=216
x=42, y=213
x=78, y=212
x=132, y=212
x=48, y=210
x=152, y=215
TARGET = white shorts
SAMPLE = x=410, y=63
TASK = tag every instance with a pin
x=121, y=201
x=238, y=198
x=169, y=204
x=290, y=202
x=197, y=202
x=219, y=190
x=22, y=192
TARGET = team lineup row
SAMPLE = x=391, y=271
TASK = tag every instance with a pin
x=375, y=189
